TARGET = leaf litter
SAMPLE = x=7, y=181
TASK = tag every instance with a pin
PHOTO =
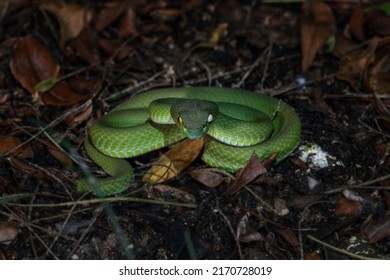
x=81, y=55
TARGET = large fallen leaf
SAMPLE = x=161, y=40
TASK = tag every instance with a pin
x=71, y=17
x=174, y=161
x=247, y=174
x=31, y=64
x=8, y=144
x=316, y=27
x=369, y=68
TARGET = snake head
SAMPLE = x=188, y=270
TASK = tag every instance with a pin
x=194, y=116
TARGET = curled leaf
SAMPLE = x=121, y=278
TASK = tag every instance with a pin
x=208, y=177
x=31, y=64
x=250, y=172
x=174, y=161
x=316, y=27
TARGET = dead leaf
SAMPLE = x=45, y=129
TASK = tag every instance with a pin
x=31, y=64
x=110, y=13
x=356, y=24
x=378, y=230
x=353, y=67
x=72, y=121
x=128, y=25
x=208, y=177
x=280, y=206
x=61, y=156
x=9, y=143
x=166, y=14
x=246, y=233
x=289, y=235
x=174, y=161
x=85, y=47
x=369, y=68
x=250, y=172
x=8, y=231
x=110, y=48
x=71, y=17
x=316, y=27
x=346, y=207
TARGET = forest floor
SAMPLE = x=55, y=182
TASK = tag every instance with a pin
x=92, y=57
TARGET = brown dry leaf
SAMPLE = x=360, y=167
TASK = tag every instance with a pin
x=347, y=207
x=353, y=67
x=369, y=68
x=109, y=14
x=356, y=24
x=9, y=143
x=378, y=73
x=379, y=230
x=61, y=156
x=250, y=172
x=343, y=45
x=72, y=121
x=166, y=14
x=174, y=161
x=8, y=231
x=71, y=17
x=110, y=47
x=31, y=64
x=289, y=235
x=128, y=25
x=85, y=47
x=23, y=166
x=208, y=177
x=316, y=27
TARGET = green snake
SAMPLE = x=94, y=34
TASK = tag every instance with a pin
x=236, y=123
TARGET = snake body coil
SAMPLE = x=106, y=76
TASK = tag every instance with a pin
x=127, y=131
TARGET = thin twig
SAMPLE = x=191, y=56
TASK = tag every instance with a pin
x=53, y=123
x=106, y=199
x=344, y=252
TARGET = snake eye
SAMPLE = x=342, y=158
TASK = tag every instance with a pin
x=210, y=118
x=180, y=120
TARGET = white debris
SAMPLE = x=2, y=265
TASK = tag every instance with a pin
x=317, y=158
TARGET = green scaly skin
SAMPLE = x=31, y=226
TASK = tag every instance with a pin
x=113, y=138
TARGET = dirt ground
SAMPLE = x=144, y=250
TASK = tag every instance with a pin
x=93, y=56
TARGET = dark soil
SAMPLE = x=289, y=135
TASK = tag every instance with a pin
x=312, y=213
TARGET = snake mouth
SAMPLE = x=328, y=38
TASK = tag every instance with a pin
x=193, y=136
x=195, y=132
